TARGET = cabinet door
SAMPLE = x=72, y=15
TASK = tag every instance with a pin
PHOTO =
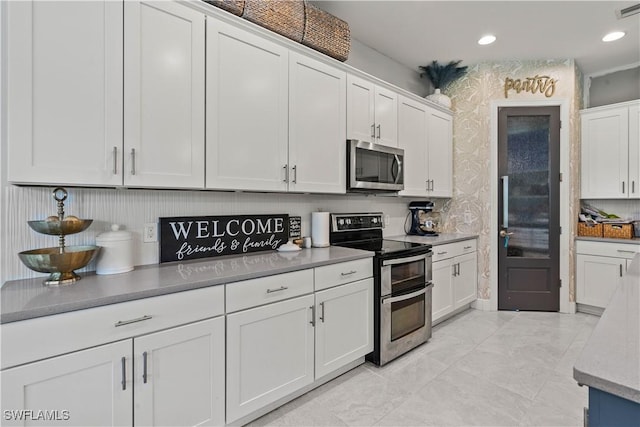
x=412, y=137
x=64, y=92
x=634, y=152
x=440, y=131
x=180, y=376
x=597, y=278
x=360, y=111
x=269, y=354
x=164, y=93
x=386, y=115
x=317, y=126
x=86, y=388
x=442, y=296
x=247, y=110
x=465, y=288
x=344, y=325
x=604, y=165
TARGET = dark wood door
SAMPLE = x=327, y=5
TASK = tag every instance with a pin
x=529, y=208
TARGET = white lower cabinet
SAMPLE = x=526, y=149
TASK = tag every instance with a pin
x=179, y=376
x=344, y=325
x=455, y=277
x=599, y=270
x=269, y=354
x=91, y=387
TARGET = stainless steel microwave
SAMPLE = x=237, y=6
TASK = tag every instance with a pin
x=374, y=167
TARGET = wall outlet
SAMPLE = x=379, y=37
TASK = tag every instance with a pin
x=150, y=232
x=468, y=219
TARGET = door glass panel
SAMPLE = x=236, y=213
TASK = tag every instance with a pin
x=408, y=276
x=375, y=166
x=528, y=171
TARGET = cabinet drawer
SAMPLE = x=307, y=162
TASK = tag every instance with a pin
x=264, y=290
x=618, y=250
x=450, y=250
x=42, y=337
x=344, y=272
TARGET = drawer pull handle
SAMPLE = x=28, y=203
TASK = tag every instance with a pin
x=442, y=253
x=468, y=247
x=144, y=367
x=349, y=273
x=127, y=322
x=124, y=373
x=626, y=252
x=281, y=288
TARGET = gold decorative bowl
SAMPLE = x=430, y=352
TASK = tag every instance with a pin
x=55, y=227
x=59, y=262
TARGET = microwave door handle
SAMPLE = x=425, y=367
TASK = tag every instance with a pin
x=399, y=169
x=396, y=167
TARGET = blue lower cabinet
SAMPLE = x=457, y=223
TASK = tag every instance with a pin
x=606, y=409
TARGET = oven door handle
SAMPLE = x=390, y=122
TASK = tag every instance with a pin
x=390, y=300
x=405, y=259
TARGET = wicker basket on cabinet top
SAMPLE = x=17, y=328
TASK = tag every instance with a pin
x=618, y=231
x=233, y=6
x=285, y=17
x=589, y=230
x=326, y=33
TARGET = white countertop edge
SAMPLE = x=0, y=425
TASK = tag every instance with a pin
x=633, y=241
x=440, y=239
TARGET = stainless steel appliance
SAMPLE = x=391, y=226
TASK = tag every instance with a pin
x=402, y=284
x=374, y=167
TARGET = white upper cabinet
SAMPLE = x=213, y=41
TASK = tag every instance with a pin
x=64, y=92
x=317, y=126
x=372, y=112
x=425, y=134
x=247, y=110
x=412, y=138
x=440, y=131
x=164, y=95
x=611, y=152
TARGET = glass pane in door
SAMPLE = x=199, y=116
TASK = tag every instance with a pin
x=528, y=170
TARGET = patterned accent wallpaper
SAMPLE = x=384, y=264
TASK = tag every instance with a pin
x=471, y=98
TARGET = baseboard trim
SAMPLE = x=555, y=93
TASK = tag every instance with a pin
x=481, y=304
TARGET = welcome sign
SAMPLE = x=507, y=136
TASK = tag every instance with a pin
x=185, y=238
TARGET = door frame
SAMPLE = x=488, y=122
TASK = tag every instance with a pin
x=565, y=185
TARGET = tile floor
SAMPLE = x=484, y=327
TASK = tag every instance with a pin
x=478, y=369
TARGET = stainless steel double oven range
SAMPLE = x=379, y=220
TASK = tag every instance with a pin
x=402, y=284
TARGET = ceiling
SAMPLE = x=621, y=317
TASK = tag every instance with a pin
x=417, y=32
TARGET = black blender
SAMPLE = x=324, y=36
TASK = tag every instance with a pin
x=421, y=222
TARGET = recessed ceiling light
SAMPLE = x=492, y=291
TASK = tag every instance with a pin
x=616, y=35
x=487, y=39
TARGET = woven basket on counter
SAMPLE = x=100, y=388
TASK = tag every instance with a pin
x=618, y=231
x=233, y=6
x=589, y=230
x=285, y=17
x=326, y=33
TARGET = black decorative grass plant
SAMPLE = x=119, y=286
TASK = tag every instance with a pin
x=442, y=75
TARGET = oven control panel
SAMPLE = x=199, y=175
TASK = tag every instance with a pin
x=350, y=222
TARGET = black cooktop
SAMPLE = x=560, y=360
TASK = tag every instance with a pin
x=383, y=246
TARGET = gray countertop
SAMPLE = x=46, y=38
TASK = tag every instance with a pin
x=440, y=239
x=26, y=299
x=634, y=241
x=610, y=361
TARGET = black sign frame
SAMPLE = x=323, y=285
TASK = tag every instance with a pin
x=195, y=237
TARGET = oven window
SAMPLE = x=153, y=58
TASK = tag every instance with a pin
x=407, y=276
x=407, y=316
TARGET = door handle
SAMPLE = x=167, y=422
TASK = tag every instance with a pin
x=313, y=315
x=286, y=173
x=295, y=174
x=123, y=361
x=133, y=161
x=373, y=131
x=322, y=312
x=115, y=160
x=144, y=367
x=504, y=233
x=378, y=127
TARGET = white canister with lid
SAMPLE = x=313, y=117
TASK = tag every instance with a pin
x=116, y=255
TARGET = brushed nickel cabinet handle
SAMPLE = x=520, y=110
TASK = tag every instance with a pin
x=442, y=253
x=468, y=247
x=123, y=362
x=133, y=161
x=295, y=174
x=281, y=288
x=322, y=312
x=313, y=315
x=286, y=173
x=144, y=367
x=623, y=187
x=348, y=273
x=115, y=160
x=633, y=187
x=378, y=127
x=620, y=270
x=373, y=130
x=127, y=322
